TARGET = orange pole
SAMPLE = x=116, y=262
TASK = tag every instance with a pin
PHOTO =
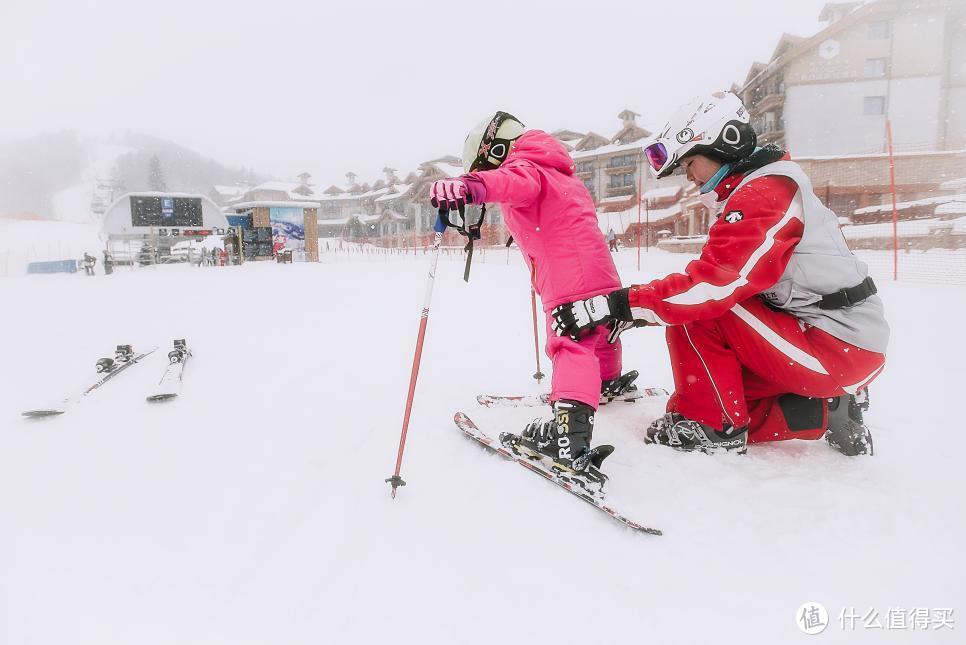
x=396, y=481
x=640, y=198
x=895, y=212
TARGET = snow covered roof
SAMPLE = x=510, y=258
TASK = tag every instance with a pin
x=229, y=191
x=684, y=240
x=905, y=228
x=928, y=201
x=952, y=208
x=666, y=192
x=327, y=197
x=881, y=155
x=374, y=193
x=613, y=200
x=638, y=145
x=284, y=186
x=118, y=218
x=342, y=221
x=400, y=191
x=277, y=204
x=567, y=135
x=658, y=214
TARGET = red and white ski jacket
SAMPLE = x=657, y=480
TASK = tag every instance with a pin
x=746, y=253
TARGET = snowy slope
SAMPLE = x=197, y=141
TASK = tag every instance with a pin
x=253, y=509
x=73, y=204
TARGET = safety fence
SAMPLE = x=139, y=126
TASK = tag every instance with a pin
x=902, y=208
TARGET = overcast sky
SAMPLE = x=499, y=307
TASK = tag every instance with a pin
x=286, y=86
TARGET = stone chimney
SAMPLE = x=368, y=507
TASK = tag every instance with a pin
x=628, y=117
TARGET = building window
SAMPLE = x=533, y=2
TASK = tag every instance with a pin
x=620, y=181
x=873, y=105
x=878, y=29
x=875, y=67
x=585, y=166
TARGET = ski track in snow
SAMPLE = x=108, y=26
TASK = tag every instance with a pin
x=252, y=509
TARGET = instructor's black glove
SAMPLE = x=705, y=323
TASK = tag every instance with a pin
x=574, y=318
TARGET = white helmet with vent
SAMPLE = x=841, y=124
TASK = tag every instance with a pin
x=716, y=126
x=488, y=144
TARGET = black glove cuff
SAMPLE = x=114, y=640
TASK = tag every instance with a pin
x=620, y=307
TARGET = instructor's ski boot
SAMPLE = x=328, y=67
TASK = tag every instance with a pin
x=679, y=432
x=619, y=387
x=179, y=353
x=123, y=354
x=565, y=438
x=847, y=431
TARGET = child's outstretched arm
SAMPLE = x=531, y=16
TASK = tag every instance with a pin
x=516, y=183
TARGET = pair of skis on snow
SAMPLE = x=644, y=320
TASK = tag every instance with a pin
x=588, y=487
x=125, y=357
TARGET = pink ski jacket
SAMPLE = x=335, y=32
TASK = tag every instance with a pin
x=551, y=217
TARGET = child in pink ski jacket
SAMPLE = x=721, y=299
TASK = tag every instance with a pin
x=551, y=217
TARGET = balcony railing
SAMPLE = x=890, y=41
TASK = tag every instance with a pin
x=769, y=102
x=615, y=191
x=619, y=170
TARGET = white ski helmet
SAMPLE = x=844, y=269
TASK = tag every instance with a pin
x=716, y=126
x=488, y=144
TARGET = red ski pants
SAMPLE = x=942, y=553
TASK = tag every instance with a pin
x=733, y=369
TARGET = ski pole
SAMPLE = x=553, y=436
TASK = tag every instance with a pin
x=536, y=337
x=396, y=480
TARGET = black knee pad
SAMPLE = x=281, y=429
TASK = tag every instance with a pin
x=802, y=412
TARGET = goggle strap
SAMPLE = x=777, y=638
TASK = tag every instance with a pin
x=489, y=139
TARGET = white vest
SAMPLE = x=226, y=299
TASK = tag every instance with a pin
x=822, y=264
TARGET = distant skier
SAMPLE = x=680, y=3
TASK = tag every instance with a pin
x=775, y=329
x=108, y=263
x=89, y=262
x=551, y=217
x=611, y=239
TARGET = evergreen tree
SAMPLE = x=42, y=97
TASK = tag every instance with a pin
x=155, y=175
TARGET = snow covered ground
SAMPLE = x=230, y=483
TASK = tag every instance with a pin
x=26, y=241
x=253, y=508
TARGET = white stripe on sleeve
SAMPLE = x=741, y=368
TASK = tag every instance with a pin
x=701, y=292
